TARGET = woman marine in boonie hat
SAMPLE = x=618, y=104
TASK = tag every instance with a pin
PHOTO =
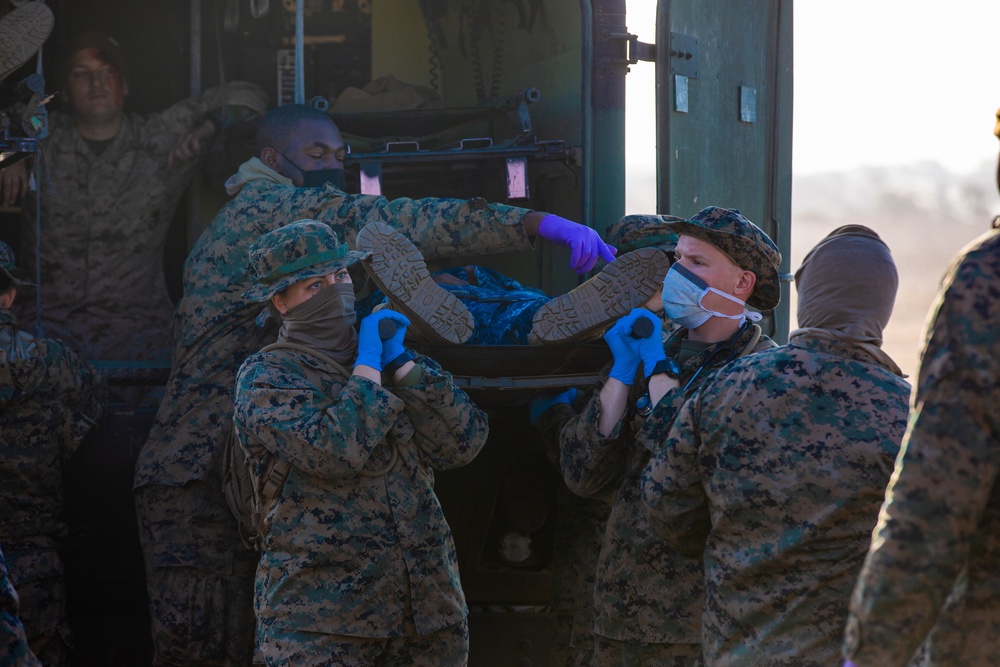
x=302, y=249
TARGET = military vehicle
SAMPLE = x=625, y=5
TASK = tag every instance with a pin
x=520, y=101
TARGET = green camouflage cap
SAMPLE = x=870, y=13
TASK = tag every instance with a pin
x=299, y=250
x=745, y=243
x=9, y=269
x=641, y=231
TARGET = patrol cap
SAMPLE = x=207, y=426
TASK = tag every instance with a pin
x=302, y=249
x=745, y=243
x=641, y=231
x=9, y=269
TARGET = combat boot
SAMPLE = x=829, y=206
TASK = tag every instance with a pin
x=22, y=33
x=588, y=310
x=398, y=269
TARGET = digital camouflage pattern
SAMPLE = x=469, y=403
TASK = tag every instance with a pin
x=200, y=588
x=14, y=651
x=772, y=474
x=744, y=242
x=215, y=328
x=104, y=222
x=449, y=646
x=350, y=551
x=644, y=591
x=940, y=525
x=632, y=232
x=579, y=534
x=49, y=400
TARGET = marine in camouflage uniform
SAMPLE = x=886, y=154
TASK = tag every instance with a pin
x=14, y=651
x=773, y=473
x=358, y=561
x=580, y=530
x=215, y=330
x=106, y=207
x=49, y=400
x=931, y=570
x=647, y=598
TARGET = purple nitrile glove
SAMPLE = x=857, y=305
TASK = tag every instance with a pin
x=848, y=663
x=585, y=244
x=626, y=361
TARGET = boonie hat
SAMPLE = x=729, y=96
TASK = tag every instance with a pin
x=642, y=231
x=9, y=269
x=745, y=243
x=299, y=250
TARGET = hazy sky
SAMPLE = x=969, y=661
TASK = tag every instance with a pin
x=877, y=82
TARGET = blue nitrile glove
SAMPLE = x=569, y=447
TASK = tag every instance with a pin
x=649, y=348
x=540, y=404
x=626, y=361
x=584, y=243
x=392, y=347
x=369, y=341
x=848, y=663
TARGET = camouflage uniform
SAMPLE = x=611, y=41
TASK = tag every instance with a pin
x=104, y=222
x=772, y=475
x=647, y=597
x=14, y=651
x=216, y=329
x=939, y=526
x=352, y=551
x=578, y=543
x=49, y=400
x=645, y=592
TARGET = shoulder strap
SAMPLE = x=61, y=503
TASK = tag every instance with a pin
x=308, y=350
x=394, y=454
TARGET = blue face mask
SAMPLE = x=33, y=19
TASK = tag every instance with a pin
x=683, y=292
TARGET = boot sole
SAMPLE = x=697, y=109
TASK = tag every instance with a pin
x=398, y=268
x=624, y=284
x=22, y=33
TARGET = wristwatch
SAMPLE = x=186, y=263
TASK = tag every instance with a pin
x=389, y=370
x=668, y=367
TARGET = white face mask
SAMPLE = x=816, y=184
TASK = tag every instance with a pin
x=683, y=292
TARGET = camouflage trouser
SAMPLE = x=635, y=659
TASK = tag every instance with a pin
x=611, y=652
x=312, y=649
x=199, y=577
x=36, y=572
x=572, y=645
x=14, y=651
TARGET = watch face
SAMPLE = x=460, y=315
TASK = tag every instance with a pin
x=669, y=367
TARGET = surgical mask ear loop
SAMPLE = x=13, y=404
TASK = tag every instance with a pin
x=746, y=314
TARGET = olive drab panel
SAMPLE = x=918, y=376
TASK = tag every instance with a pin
x=724, y=115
